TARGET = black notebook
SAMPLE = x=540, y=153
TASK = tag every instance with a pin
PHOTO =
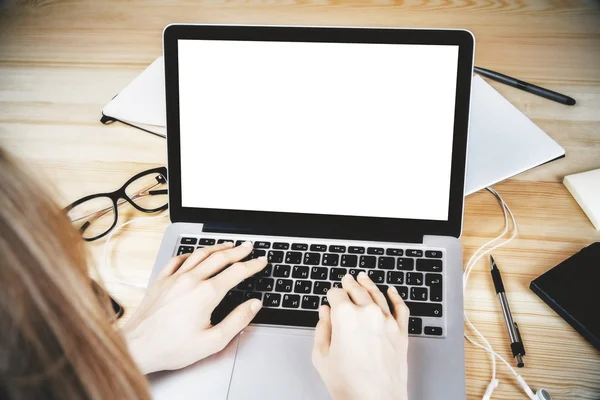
x=572, y=290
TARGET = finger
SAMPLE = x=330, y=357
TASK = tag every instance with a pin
x=401, y=311
x=374, y=291
x=337, y=296
x=220, y=260
x=201, y=254
x=239, y=271
x=172, y=266
x=322, y=332
x=234, y=323
x=356, y=292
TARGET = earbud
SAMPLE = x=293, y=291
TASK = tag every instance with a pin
x=541, y=394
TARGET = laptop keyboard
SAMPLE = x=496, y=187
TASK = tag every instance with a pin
x=298, y=275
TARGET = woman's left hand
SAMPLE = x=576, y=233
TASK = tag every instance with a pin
x=171, y=328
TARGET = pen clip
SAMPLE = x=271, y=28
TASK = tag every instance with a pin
x=519, y=338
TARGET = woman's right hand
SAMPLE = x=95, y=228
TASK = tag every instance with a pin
x=361, y=345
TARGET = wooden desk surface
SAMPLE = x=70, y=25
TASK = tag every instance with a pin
x=61, y=61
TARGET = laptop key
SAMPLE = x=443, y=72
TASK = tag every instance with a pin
x=367, y=261
x=291, y=301
x=386, y=263
x=376, y=276
x=375, y=250
x=303, y=287
x=257, y=253
x=224, y=241
x=331, y=259
x=414, y=278
x=405, y=264
x=337, y=249
x=300, y=271
x=312, y=258
x=403, y=292
x=246, y=284
x=206, y=242
x=382, y=288
x=318, y=273
x=336, y=274
x=324, y=301
x=275, y=256
x=418, y=293
x=282, y=271
x=293, y=257
x=318, y=247
x=415, y=325
x=356, y=250
x=271, y=300
x=354, y=272
x=283, y=285
x=429, y=265
x=349, y=260
x=238, y=242
x=252, y=295
x=395, y=278
x=394, y=252
x=281, y=246
x=321, y=287
x=234, y=296
x=434, y=281
x=300, y=246
x=310, y=302
x=189, y=240
x=265, y=284
x=433, y=330
x=185, y=250
x=419, y=309
x=266, y=271
x=414, y=253
x=262, y=245
x=433, y=254
x=337, y=285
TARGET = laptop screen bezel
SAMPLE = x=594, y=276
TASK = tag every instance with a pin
x=316, y=225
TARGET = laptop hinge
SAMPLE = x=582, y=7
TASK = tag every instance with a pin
x=322, y=233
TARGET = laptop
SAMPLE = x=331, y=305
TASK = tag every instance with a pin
x=334, y=150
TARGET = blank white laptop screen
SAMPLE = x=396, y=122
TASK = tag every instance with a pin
x=320, y=128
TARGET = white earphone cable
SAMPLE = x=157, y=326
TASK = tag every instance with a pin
x=107, y=265
x=469, y=268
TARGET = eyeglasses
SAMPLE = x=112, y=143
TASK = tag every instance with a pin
x=97, y=214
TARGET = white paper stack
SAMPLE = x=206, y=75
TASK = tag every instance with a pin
x=585, y=188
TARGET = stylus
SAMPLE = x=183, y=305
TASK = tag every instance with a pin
x=516, y=342
x=528, y=87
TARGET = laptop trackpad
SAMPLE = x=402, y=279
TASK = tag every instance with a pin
x=206, y=379
x=271, y=365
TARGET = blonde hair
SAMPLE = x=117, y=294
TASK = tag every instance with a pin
x=56, y=340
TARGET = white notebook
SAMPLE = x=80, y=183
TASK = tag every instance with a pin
x=503, y=142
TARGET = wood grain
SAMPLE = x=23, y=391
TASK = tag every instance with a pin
x=61, y=61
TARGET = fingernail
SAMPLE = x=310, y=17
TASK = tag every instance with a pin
x=262, y=258
x=348, y=276
x=247, y=244
x=393, y=289
x=362, y=274
x=255, y=305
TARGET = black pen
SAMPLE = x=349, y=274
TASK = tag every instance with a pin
x=528, y=87
x=516, y=342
